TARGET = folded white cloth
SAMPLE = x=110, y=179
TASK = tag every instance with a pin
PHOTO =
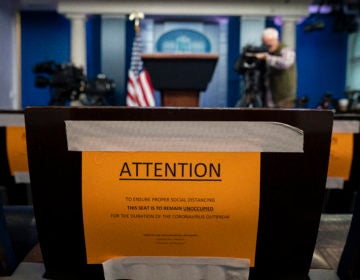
x=176, y=268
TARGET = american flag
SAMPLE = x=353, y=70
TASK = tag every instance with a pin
x=140, y=91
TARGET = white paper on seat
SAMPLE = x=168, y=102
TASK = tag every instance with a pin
x=176, y=268
x=346, y=126
x=22, y=177
x=334, y=183
x=12, y=120
x=179, y=136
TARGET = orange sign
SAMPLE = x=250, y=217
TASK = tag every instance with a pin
x=170, y=204
x=16, y=149
x=341, y=154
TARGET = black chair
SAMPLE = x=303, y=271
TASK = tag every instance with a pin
x=8, y=260
x=17, y=220
x=349, y=265
x=18, y=235
x=14, y=192
x=292, y=186
x=342, y=200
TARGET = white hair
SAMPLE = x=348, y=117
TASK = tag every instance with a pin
x=271, y=33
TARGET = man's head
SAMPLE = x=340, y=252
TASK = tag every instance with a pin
x=270, y=37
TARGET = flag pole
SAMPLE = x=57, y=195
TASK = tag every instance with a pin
x=140, y=91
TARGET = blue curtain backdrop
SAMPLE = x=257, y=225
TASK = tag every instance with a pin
x=321, y=61
x=233, y=54
x=93, y=51
x=46, y=36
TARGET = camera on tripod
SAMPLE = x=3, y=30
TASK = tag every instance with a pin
x=68, y=83
x=253, y=71
x=248, y=60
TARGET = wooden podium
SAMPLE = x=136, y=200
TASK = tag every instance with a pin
x=180, y=77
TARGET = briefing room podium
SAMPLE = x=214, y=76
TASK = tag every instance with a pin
x=180, y=77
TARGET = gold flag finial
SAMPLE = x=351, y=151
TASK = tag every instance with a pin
x=136, y=16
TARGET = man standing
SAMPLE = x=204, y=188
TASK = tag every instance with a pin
x=281, y=70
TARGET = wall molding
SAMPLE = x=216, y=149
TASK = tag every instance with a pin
x=188, y=7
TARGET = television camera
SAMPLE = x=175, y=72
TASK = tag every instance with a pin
x=68, y=83
x=97, y=90
x=253, y=71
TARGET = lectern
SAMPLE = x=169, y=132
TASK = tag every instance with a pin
x=180, y=77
